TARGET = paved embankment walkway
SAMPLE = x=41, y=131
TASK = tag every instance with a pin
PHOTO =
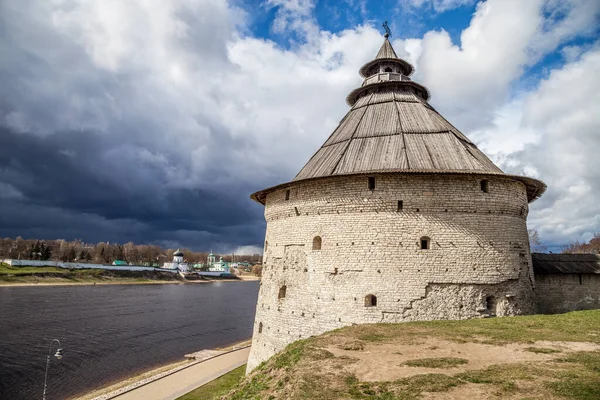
x=181, y=382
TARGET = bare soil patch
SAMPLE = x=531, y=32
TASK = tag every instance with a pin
x=387, y=361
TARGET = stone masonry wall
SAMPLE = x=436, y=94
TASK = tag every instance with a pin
x=478, y=263
x=567, y=292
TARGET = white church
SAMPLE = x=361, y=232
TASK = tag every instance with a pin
x=177, y=263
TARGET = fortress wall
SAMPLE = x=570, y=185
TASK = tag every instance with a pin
x=478, y=263
x=567, y=292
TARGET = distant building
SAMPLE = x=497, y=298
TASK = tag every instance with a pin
x=216, y=266
x=177, y=263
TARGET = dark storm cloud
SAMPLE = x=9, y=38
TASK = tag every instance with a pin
x=64, y=195
x=100, y=139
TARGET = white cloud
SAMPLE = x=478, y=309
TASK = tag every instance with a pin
x=247, y=250
x=565, y=110
x=480, y=70
x=295, y=16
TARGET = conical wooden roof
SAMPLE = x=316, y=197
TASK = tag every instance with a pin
x=392, y=128
x=386, y=51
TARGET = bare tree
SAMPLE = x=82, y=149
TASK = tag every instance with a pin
x=535, y=243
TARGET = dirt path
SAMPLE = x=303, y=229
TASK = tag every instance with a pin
x=188, y=379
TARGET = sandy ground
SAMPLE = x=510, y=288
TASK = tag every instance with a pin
x=383, y=362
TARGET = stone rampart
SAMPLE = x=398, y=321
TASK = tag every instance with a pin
x=559, y=293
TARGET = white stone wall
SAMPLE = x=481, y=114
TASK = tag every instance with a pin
x=478, y=263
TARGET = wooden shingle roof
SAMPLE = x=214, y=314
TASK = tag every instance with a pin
x=386, y=53
x=546, y=264
x=391, y=128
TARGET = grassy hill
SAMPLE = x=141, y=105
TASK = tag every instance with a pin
x=529, y=357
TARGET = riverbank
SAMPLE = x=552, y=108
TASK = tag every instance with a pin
x=133, y=382
x=52, y=276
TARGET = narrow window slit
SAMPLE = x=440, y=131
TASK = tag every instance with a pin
x=484, y=185
x=317, y=241
x=282, y=292
x=371, y=183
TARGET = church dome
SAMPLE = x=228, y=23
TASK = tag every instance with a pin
x=178, y=253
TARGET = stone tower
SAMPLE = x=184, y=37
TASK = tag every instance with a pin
x=397, y=217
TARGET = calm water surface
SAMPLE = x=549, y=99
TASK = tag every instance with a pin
x=112, y=331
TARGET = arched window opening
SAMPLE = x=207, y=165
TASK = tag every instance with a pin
x=388, y=69
x=485, y=185
x=425, y=243
x=317, y=243
x=287, y=195
x=282, y=291
x=490, y=305
x=370, y=300
x=260, y=325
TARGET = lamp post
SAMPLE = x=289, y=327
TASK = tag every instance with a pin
x=58, y=355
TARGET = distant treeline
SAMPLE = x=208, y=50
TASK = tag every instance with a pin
x=102, y=253
x=591, y=247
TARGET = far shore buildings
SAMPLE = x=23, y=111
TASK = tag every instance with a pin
x=400, y=217
x=212, y=265
x=216, y=266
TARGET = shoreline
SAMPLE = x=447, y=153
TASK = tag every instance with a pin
x=50, y=282
x=153, y=374
x=30, y=284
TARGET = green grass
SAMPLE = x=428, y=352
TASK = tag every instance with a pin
x=14, y=270
x=407, y=388
x=437, y=362
x=580, y=326
x=581, y=380
x=29, y=274
x=542, y=350
x=217, y=388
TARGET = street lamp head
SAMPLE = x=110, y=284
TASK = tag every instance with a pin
x=58, y=354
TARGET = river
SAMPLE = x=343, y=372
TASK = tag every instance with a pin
x=109, y=332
